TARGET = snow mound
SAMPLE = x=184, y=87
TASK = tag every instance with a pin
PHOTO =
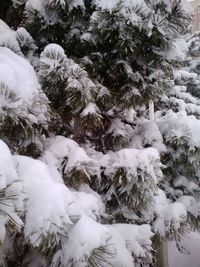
x=58, y=206
x=137, y=239
x=147, y=134
x=8, y=38
x=188, y=252
x=179, y=50
x=86, y=236
x=13, y=69
x=119, y=244
x=135, y=161
x=170, y=219
x=66, y=156
x=20, y=94
x=10, y=191
x=19, y=41
x=179, y=127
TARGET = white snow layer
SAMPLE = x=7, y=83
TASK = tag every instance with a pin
x=69, y=217
x=179, y=50
x=21, y=92
x=179, y=125
x=8, y=37
x=18, y=74
x=170, y=219
x=189, y=255
x=134, y=160
x=11, y=191
x=50, y=207
x=119, y=241
x=39, y=5
x=59, y=149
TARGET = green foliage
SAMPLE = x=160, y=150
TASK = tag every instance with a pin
x=96, y=63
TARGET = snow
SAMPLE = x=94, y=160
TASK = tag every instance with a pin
x=119, y=129
x=50, y=216
x=127, y=9
x=122, y=255
x=186, y=6
x=190, y=255
x=110, y=4
x=37, y=5
x=142, y=161
x=170, y=219
x=58, y=205
x=85, y=236
x=137, y=238
x=120, y=242
x=180, y=92
x=21, y=94
x=180, y=75
x=77, y=3
x=59, y=149
x=8, y=37
x=53, y=48
x=181, y=105
x=98, y=200
x=53, y=61
x=76, y=157
x=8, y=173
x=40, y=5
x=160, y=202
x=60, y=146
x=71, y=218
x=147, y=134
x=179, y=125
x=91, y=108
x=11, y=199
x=182, y=181
x=5, y=30
x=178, y=52
x=190, y=204
x=63, y=213
x=25, y=40
x=13, y=69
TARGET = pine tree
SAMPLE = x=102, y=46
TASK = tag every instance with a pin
x=103, y=199
x=179, y=122
x=24, y=106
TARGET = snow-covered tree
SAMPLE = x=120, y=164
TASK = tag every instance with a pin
x=179, y=123
x=23, y=105
x=96, y=194
x=70, y=90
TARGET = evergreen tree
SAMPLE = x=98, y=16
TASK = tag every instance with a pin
x=179, y=123
x=100, y=200
x=24, y=107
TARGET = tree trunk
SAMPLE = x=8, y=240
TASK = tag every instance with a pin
x=79, y=131
x=129, y=114
x=151, y=110
x=162, y=254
